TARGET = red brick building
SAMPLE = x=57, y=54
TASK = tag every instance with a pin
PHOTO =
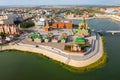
x=62, y=24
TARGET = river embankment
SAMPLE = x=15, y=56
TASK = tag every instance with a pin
x=69, y=61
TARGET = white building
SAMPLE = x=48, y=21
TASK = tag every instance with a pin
x=40, y=22
x=6, y=19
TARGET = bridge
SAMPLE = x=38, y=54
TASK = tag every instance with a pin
x=109, y=31
x=113, y=31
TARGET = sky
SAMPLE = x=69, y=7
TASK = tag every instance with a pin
x=59, y=2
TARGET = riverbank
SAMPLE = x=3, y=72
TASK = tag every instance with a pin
x=98, y=64
x=72, y=62
x=77, y=60
x=97, y=16
x=79, y=18
x=114, y=17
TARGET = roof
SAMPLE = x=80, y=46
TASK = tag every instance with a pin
x=79, y=39
x=62, y=38
x=83, y=20
x=39, y=37
x=35, y=36
x=42, y=19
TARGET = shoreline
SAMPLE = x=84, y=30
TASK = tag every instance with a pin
x=113, y=17
x=72, y=60
x=97, y=64
x=79, y=18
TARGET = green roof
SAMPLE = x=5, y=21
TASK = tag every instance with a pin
x=35, y=36
x=83, y=20
x=39, y=37
x=79, y=39
x=62, y=38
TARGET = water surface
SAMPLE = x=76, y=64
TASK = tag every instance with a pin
x=25, y=66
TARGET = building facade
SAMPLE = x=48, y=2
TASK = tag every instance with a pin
x=9, y=29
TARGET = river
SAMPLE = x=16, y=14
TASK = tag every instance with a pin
x=25, y=66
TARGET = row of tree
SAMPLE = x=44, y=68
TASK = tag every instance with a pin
x=27, y=24
x=79, y=11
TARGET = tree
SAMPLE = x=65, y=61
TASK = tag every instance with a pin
x=3, y=34
x=17, y=22
x=27, y=24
